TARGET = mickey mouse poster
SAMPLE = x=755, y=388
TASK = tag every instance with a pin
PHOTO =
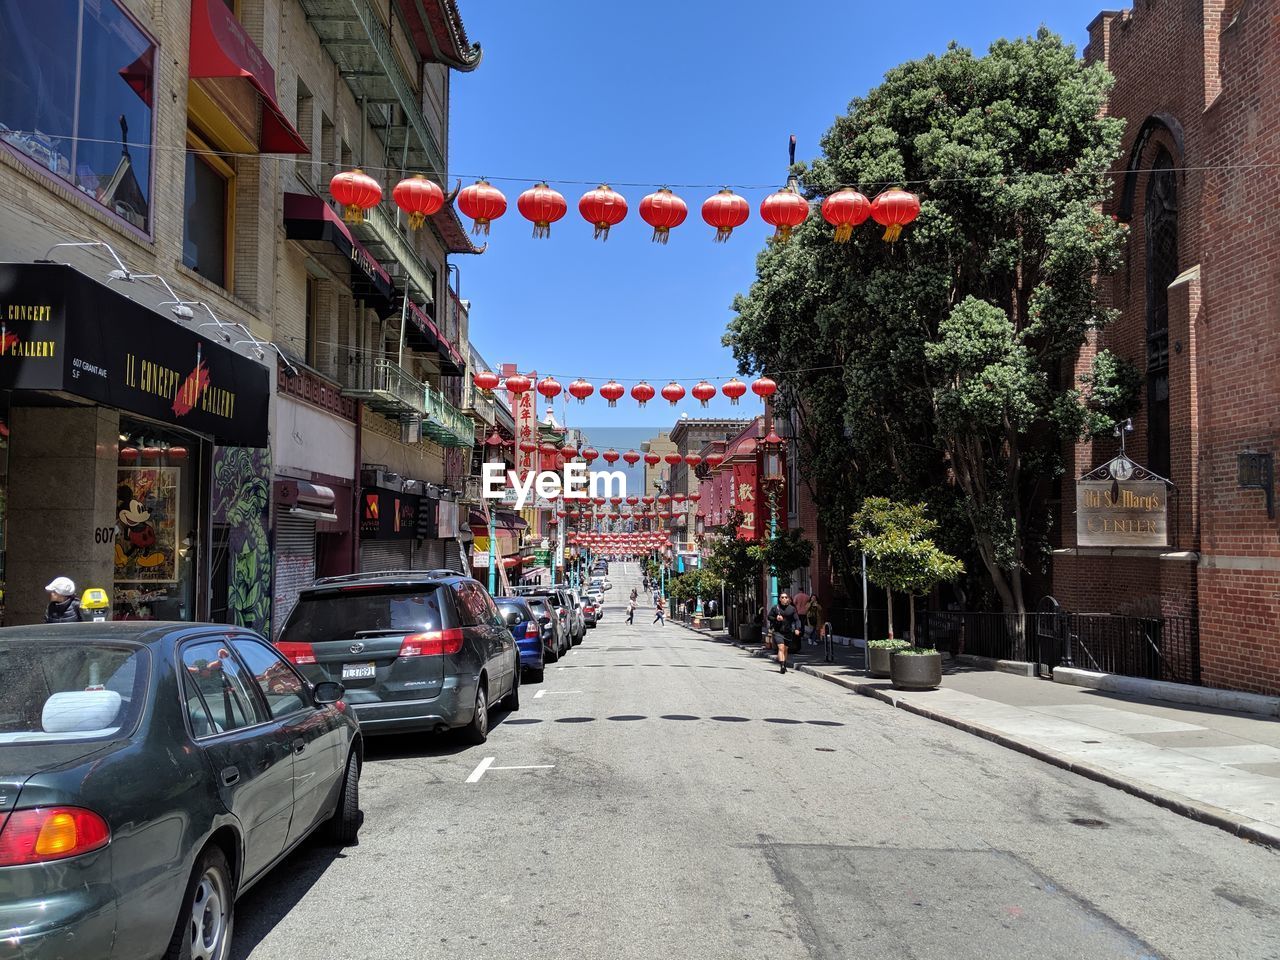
x=147, y=525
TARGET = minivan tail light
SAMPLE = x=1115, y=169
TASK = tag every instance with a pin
x=434, y=643
x=51, y=833
x=299, y=653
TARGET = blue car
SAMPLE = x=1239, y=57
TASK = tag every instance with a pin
x=525, y=628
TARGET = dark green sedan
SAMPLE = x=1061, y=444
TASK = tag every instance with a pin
x=150, y=773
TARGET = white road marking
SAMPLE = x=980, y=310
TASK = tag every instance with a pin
x=545, y=690
x=481, y=767
x=538, y=694
x=529, y=766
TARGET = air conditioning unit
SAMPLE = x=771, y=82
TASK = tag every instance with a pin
x=411, y=430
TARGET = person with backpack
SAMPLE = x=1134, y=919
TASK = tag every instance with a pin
x=785, y=625
x=63, y=605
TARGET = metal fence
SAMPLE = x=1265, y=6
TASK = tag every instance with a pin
x=1153, y=648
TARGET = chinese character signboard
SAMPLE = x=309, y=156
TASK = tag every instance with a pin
x=746, y=500
x=1132, y=513
x=524, y=408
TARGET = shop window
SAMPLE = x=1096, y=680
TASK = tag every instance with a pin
x=312, y=320
x=1161, y=221
x=95, y=135
x=208, y=212
x=304, y=112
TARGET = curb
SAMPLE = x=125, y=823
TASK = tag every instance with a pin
x=1203, y=813
x=1256, y=703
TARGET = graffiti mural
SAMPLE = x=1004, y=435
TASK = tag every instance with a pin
x=241, y=501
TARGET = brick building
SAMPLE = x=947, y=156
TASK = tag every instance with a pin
x=184, y=149
x=690, y=436
x=1198, y=185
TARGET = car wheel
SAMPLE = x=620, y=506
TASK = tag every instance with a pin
x=512, y=702
x=204, y=923
x=477, y=731
x=345, y=822
x=535, y=676
x=551, y=656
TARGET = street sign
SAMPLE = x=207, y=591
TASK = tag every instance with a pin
x=1110, y=513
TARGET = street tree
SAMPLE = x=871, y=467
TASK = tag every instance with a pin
x=940, y=366
x=901, y=554
x=782, y=554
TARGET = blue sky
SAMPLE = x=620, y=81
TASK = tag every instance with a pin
x=702, y=92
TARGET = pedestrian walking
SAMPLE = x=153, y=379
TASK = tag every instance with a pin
x=633, y=594
x=63, y=605
x=659, y=614
x=631, y=609
x=815, y=627
x=785, y=624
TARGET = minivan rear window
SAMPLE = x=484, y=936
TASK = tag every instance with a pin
x=341, y=614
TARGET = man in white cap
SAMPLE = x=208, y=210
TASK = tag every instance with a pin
x=63, y=605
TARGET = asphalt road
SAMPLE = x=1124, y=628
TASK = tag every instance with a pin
x=681, y=800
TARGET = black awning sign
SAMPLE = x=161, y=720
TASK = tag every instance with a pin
x=61, y=330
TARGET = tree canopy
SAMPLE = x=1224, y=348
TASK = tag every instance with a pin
x=941, y=366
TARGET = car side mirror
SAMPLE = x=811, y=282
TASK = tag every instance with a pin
x=326, y=692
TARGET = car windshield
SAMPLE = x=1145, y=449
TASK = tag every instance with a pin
x=343, y=614
x=62, y=690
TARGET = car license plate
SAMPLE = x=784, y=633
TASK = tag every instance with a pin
x=359, y=671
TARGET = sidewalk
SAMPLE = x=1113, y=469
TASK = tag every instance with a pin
x=1216, y=766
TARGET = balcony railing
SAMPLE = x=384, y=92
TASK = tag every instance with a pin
x=479, y=406
x=387, y=388
x=445, y=423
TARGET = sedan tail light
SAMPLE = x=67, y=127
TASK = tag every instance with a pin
x=299, y=653
x=51, y=833
x=432, y=644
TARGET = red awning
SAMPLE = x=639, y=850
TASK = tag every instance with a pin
x=221, y=48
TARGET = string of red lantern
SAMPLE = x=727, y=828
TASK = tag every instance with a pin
x=604, y=208
x=486, y=380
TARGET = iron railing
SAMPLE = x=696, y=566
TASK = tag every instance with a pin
x=444, y=422
x=387, y=387
x=1152, y=648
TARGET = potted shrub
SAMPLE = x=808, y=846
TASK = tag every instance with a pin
x=879, y=653
x=901, y=556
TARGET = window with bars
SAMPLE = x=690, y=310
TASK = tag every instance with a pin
x=1161, y=220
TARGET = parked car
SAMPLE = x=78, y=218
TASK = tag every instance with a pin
x=554, y=643
x=591, y=612
x=150, y=774
x=524, y=626
x=570, y=606
x=416, y=650
x=579, y=617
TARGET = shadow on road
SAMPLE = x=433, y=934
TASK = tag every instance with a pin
x=398, y=746
x=263, y=907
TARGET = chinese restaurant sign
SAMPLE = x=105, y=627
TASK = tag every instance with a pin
x=746, y=500
x=385, y=515
x=61, y=330
x=1132, y=513
x=524, y=408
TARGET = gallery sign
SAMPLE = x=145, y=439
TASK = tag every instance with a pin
x=1114, y=513
x=61, y=330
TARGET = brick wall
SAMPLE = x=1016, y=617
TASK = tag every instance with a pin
x=1197, y=78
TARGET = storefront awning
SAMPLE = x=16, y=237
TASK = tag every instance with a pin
x=423, y=334
x=220, y=47
x=62, y=331
x=310, y=221
x=502, y=519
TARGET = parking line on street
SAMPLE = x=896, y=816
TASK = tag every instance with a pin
x=481, y=767
x=545, y=690
x=527, y=766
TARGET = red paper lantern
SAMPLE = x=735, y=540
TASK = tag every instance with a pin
x=483, y=203
x=549, y=387
x=714, y=460
x=764, y=388
x=611, y=456
x=693, y=459
x=418, y=197
x=695, y=497
x=703, y=392
x=612, y=391
x=631, y=457
x=518, y=383
x=893, y=210
x=177, y=453
x=633, y=500
x=549, y=448
x=785, y=210
x=648, y=501
x=128, y=454
x=603, y=208
x=542, y=206
x=679, y=498
x=725, y=211
x=486, y=380
x=673, y=459
x=494, y=439
x=642, y=393
x=662, y=211
x=590, y=454
x=357, y=192
x=735, y=389
x=568, y=451
x=673, y=393
x=844, y=210
x=528, y=446
x=651, y=458
x=151, y=453
x=581, y=389
x=664, y=498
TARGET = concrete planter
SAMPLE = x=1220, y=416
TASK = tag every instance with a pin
x=916, y=671
x=749, y=633
x=878, y=662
